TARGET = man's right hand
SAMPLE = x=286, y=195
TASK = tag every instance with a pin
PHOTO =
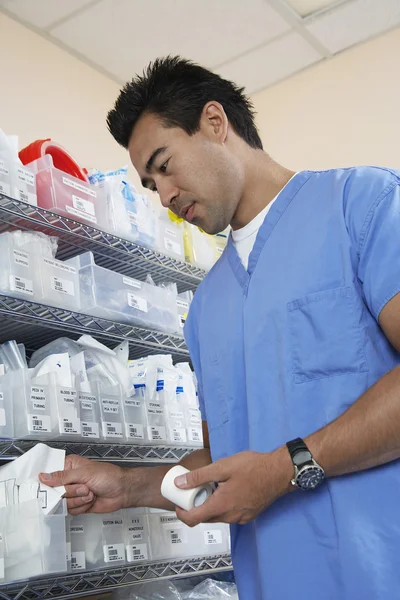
x=89, y=486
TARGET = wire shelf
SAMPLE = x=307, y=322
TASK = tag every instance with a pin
x=19, y=319
x=120, y=453
x=111, y=252
x=94, y=582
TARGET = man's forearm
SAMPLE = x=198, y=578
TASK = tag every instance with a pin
x=366, y=435
x=142, y=485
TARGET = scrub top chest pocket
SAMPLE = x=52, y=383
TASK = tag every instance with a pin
x=325, y=335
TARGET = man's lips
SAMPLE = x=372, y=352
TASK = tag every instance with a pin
x=187, y=212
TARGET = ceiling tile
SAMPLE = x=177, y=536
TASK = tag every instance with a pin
x=355, y=22
x=267, y=65
x=208, y=32
x=42, y=13
x=308, y=7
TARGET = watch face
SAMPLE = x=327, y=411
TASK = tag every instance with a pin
x=310, y=477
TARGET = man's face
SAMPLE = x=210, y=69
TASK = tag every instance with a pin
x=196, y=176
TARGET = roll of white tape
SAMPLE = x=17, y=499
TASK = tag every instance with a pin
x=186, y=499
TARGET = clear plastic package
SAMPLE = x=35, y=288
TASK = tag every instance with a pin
x=69, y=196
x=111, y=295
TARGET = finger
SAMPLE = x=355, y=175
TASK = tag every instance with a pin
x=86, y=501
x=208, y=474
x=62, y=477
x=81, y=510
x=213, y=508
x=76, y=490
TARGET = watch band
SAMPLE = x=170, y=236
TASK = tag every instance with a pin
x=296, y=446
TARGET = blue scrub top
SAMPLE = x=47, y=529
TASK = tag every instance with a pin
x=284, y=348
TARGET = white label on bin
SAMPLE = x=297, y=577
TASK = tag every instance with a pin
x=76, y=529
x=178, y=535
x=110, y=405
x=182, y=304
x=39, y=423
x=5, y=188
x=132, y=217
x=90, y=429
x=170, y=232
x=83, y=205
x=86, y=405
x=175, y=414
x=38, y=398
x=78, y=186
x=78, y=561
x=63, y=286
x=195, y=434
x=220, y=250
x=57, y=264
x=156, y=433
x=137, y=552
x=71, y=425
x=112, y=430
x=212, y=537
x=132, y=283
x=4, y=170
x=20, y=284
x=69, y=396
x=134, y=430
x=88, y=399
x=80, y=214
x=3, y=420
x=25, y=176
x=133, y=402
x=178, y=434
x=2, y=568
x=137, y=303
x=172, y=246
x=21, y=258
x=114, y=552
x=136, y=530
x=154, y=408
x=68, y=551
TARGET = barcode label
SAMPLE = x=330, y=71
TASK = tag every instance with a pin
x=195, y=434
x=90, y=430
x=63, y=286
x=22, y=285
x=68, y=551
x=134, y=431
x=39, y=423
x=137, y=552
x=137, y=303
x=110, y=405
x=212, y=537
x=178, y=435
x=113, y=430
x=78, y=561
x=156, y=433
x=113, y=553
x=24, y=197
x=21, y=258
x=132, y=282
x=177, y=536
x=83, y=205
x=173, y=246
x=78, y=186
x=25, y=176
x=71, y=425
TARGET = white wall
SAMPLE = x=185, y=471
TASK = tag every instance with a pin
x=45, y=92
x=341, y=112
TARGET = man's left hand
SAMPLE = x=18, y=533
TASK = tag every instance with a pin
x=248, y=483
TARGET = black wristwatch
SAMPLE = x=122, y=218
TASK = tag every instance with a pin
x=308, y=474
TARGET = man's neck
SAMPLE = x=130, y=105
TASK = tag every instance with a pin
x=264, y=180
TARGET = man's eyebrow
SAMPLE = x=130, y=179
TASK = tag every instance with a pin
x=153, y=157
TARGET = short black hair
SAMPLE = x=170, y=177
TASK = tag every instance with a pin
x=177, y=90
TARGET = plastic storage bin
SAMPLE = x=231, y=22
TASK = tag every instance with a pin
x=111, y=413
x=134, y=418
x=68, y=410
x=170, y=237
x=20, y=274
x=32, y=544
x=5, y=177
x=110, y=295
x=173, y=539
x=6, y=408
x=69, y=196
x=90, y=416
x=136, y=535
x=35, y=416
x=23, y=184
x=77, y=537
x=60, y=284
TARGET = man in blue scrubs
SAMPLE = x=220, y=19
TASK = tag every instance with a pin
x=294, y=336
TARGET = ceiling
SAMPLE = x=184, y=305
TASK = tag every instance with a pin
x=252, y=42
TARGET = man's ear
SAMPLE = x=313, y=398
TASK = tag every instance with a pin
x=214, y=122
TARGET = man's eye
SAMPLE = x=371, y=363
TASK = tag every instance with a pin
x=163, y=167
